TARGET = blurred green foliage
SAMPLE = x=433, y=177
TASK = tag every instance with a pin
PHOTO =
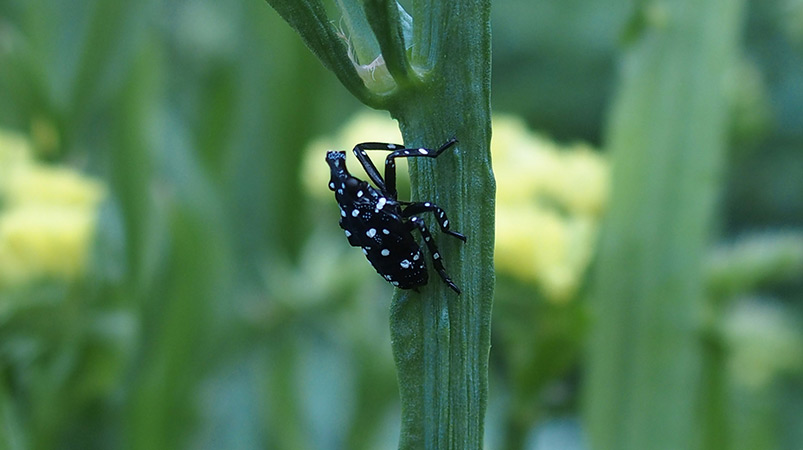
x=221, y=306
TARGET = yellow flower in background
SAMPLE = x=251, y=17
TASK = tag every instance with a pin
x=550, y=198
x=14, y=152
x=56, y=187
x=535, y=168
x=36, y=241
x=47, y=216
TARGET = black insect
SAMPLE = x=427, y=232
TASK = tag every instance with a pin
x=377, y=221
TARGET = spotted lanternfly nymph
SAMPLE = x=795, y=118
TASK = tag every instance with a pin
x=374, y=219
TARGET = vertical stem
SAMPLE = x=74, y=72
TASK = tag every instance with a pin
x=441, y=340
x=426, y=37
x=667, y=138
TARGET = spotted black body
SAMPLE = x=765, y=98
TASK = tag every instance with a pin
x=374, y=219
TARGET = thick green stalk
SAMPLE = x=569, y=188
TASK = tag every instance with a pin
x=440, y=339
x=667, y=140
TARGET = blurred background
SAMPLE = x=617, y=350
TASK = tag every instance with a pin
x=171, y=270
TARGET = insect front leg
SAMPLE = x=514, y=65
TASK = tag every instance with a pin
x=388, y=184
x=370, y=168
x=433, y=251
x=414, y=208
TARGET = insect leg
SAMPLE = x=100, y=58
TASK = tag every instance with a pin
x=414, y=208
x=433, y=250
x=388, y=185
x=370, y=168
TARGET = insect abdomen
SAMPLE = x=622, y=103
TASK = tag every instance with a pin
x=403, y=266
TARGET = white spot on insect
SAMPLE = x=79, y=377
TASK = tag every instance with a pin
x=342, y=213
x=427, y=204
x=348, y=233
x=371, y=232
x=340, y=191
x=416, y=256
x=423, y=151
x=404, y=264
x=365, y=251
x=359, y=193
x=332, y=185
x=385, y=252
x=388, y=277
x=342, y=185
x=381, y=203
x=445, y=223
x=395, y=283
x=391, y=146
x=427, y=238
x=385, y=231
x=441, y=213
x=355, y=213
x=435, y=256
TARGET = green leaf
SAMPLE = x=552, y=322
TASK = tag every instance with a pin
x=360, y=34
x=308, y=18
x=383, y=16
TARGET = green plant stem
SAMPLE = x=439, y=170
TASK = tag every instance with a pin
x=440, y=340
x=425, y=34
x=667, y=140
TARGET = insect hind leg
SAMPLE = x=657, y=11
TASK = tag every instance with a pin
x=414, y=208
x=433, y=251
